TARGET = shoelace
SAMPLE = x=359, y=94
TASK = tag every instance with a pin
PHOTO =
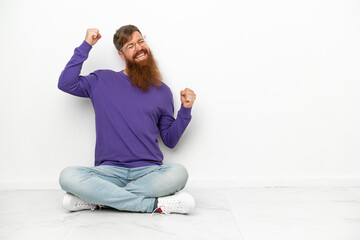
x=155, y=211
x=162, y=210
x=169, y=207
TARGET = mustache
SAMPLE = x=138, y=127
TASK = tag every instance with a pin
x=144, y=50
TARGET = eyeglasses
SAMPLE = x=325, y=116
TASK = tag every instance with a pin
x=132, y=46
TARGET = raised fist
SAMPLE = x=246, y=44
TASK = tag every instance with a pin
x=187, y=97
x=92, y=36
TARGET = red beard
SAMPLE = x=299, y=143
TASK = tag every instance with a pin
x=145, y=73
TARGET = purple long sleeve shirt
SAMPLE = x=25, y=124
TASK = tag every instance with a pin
x=128, y=120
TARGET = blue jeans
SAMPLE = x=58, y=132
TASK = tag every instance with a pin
x=126, y=189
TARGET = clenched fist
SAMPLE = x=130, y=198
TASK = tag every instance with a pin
x=187, y=97
x=92, y=36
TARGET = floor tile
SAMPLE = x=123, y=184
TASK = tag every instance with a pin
x=27, y=214
x=38, y=215
x=296, y=213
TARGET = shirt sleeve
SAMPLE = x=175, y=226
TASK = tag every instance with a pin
x=171, y=129
x=70, y=80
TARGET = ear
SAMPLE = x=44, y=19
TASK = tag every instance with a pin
x=121, y=54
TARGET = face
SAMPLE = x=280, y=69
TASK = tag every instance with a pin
x=135, y=50
x=140, y=64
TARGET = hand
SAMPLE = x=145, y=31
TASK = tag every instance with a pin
x=187, y=97
x=92, y=36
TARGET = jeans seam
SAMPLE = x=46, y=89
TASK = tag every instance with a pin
x=132, y=182
x=105, y=173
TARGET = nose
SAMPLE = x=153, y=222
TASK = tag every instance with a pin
x=137, y=49
x=138, y=46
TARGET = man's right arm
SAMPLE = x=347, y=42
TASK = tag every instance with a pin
x=70, y=80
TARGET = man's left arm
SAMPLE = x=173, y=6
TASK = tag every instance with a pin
x=171, y=129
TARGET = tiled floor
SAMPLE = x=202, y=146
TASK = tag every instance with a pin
x=241, y=213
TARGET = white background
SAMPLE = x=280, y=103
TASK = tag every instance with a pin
x=277, y=86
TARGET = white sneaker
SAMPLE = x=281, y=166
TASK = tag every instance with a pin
x=179, y=203
x=73, y=203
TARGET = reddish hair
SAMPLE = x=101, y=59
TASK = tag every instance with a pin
x=123, y=35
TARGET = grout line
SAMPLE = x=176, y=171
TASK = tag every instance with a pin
x=232, y=213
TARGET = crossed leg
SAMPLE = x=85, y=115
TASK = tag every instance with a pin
x=133, y=190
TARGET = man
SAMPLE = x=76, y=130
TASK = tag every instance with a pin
x=132, y=108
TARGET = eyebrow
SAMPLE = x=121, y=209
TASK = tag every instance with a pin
x=132, y=43
x=141, y=39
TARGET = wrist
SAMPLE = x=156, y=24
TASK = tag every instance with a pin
x=185, y=112
x=87, y=44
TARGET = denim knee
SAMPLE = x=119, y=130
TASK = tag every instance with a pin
x=67, y=177
x=179, y=174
